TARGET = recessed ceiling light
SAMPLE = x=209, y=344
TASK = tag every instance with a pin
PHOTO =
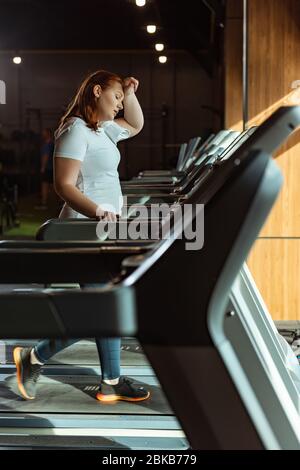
x=162, y=59
x=151, y=28
x=159, y=47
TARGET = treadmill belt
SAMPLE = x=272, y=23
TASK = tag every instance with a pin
x=44, y=441
x=61, y=442
x=86, y=354
x=76, y=394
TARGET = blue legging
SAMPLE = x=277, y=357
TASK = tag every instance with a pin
x=109, y=350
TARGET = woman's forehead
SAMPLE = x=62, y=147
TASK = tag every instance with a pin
x=117, y=86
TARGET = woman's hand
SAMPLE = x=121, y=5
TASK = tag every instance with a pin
x=130, y=85
x=105, y=216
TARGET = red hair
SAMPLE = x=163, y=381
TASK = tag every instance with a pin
x=84, y=103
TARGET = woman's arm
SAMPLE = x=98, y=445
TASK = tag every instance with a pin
x=133, y=115
x=66, y=172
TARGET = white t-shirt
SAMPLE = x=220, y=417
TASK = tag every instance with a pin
x=98, y=178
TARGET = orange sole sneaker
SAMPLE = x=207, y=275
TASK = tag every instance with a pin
x=18, y=362
x=113, y=398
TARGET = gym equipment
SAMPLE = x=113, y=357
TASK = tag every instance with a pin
x=208, y=367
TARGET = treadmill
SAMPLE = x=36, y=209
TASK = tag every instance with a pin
x=178, y=184
x=254, y=400
x=182, y=163
x=160, y=193
x=193, y=159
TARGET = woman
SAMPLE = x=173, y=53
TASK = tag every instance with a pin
x=86, y=178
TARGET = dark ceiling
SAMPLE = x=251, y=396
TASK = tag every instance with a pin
x=107, y=24
x=193, y=25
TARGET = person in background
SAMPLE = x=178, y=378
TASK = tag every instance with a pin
x=46, y=170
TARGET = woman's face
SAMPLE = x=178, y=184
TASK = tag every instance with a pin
x=110, y=102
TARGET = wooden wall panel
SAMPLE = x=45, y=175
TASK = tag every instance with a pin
x=233, y=65
x=274, y=64
x=274, y=60
x=284, y=220
x=275, y=264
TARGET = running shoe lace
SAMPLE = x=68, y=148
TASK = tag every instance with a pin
x=35, y=373
x=129, y=382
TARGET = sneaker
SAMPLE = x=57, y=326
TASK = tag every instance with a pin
x=124, y=390
x=27, y=373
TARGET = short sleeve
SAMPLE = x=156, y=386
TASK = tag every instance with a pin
x=71, y=142
x=115, y=132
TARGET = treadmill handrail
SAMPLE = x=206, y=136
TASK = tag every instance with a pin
x=68, y=313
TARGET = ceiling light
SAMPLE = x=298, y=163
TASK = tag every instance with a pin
x=17, y=60
x=151, y=28
x=162, y=59
x=140, y=3
x=159, y=47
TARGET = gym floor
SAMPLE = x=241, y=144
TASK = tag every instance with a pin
x=31, y=218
